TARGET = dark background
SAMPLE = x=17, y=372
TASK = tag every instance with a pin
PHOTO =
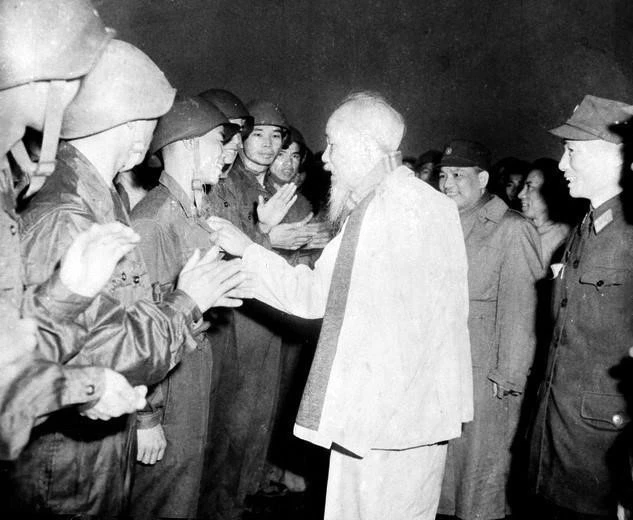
x=499, y=71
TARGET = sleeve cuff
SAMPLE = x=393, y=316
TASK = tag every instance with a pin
x=146, y=420
x=59, y=301
x=182, y=302
x=497, y=377
x=82, y=385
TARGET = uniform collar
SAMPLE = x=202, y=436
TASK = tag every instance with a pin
x=102, y=199
x=178, y=193
x=606, y=213
x=488, y=207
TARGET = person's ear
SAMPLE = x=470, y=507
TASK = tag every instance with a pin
x=484, y=177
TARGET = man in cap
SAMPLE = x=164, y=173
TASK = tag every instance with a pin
x=583, y=399
x=503, y=250
x=45, y=48
x=190, y=141
x=72, y=466
x=391, y=378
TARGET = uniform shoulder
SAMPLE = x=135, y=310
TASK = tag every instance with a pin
x=152, y=205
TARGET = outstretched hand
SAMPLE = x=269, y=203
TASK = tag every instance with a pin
x=118, y=398
x=228, y=237
x=91, y=258
x=211, y=281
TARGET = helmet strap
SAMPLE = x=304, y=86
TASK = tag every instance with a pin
x=52, y=126
x=28, y=167
x=196, y=181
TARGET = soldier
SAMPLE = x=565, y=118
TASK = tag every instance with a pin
x=189, y=138
x=582, y=409
x=45, y=48
x=72, y=466
x=504, y=263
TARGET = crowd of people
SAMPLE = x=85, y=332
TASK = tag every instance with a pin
x=167, y=260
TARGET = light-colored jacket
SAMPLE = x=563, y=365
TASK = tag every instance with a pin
x=402, y=375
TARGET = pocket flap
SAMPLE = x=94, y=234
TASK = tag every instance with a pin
x=603, y=276
x=607, y=409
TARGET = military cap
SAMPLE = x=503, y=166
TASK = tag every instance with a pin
x=462, y=153
x=596, y=118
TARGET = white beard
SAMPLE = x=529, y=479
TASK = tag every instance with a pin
x=338, y=206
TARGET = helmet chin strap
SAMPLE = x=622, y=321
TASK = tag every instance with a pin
x=52, y=127
x=196, y=182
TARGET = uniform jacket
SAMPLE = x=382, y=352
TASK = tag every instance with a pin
x=122, y=329
x=170, y=230
x=32, y=387
x=401, y=375
x=504, y=264
x=586, y=395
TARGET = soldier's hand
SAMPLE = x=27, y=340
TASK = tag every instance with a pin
x=118, y=398
x=91, y=258
x=151, y=444
x=228, y=237
x=211, y=281
x=273, y=212
x=17, y=339
x=292, y=236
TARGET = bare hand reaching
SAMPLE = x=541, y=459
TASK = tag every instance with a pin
x=211, y=281
x=118, y=398
x=93, y=255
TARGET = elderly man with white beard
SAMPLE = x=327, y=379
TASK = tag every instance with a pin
x=391, y=380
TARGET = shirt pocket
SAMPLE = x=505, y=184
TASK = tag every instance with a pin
x=604, y=278
x=604, y=411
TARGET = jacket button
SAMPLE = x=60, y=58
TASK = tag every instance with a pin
x=123, y=276
x=13, y=228
x=575, y=264
x=90, y=390
x=136, y=279
x=563, y=302
x=617, y=420
x=226, y=204
x=600, y=283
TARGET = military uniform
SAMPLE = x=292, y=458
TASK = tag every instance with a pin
x=72, y=464
x=249, y=373
x=170, y=232
x=585, y=397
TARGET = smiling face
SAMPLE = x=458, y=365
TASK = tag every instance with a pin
x=592, y=168
x=211, y=155
x=263, y=144
x=286, y=164
x=465, y=185
x=533, y=204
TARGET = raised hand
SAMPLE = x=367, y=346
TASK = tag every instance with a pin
x=211, y=281
x=273, y=212
x=118, y=398
x=91, y=258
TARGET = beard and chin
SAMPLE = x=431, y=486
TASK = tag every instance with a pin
x=339, y=206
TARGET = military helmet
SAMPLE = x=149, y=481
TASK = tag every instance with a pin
x=228, y=103
x=266, y=113
x=125, y=85
x=188, y=118
x=48, y=40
